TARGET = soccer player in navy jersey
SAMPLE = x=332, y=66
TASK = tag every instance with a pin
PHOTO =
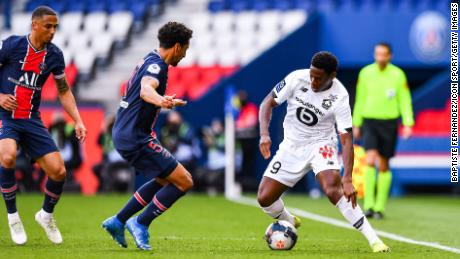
x=135, y=140
x=25, y=64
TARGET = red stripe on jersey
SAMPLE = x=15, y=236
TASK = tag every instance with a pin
x=24, y=99
x=33, y=60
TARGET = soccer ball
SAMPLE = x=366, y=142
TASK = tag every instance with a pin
x=281, y=235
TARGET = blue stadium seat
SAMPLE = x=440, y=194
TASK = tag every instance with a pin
x=307, y=5
x=215, y=6
x=238, y=5
x=116, y=6
x=261, y=5
x=32, y=4
x=283, y=5
x=96, y=6
x=76, y=6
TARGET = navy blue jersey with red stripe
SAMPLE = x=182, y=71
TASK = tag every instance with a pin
x=136, y=118
x=23, y=72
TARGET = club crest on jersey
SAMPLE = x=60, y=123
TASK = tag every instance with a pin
x=42, y=67
x=280, y=86
x=154, y=68
x=327, y=103
x=327, y=152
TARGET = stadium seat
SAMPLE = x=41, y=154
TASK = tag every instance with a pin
x=245, y=22
x=223, y=22
x=60, y=40
x=228, y=58
x=207, y=57
x=95, y=23
x=84, y=60
x=70, y=23
x=119, y=24
x=102, y=44
x=20, y=23
x=78, y=42
x=292, y=20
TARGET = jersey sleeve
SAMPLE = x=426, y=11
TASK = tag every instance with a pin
x=154, y=70
x=405, y=101
x=58, y=70
x=343, y=115
x=4, y=50
x=284, y=89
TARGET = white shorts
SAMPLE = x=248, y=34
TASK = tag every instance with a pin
x=292, y=163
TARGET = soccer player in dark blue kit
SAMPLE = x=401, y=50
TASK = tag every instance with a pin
x=25, y=64
x=135, y=140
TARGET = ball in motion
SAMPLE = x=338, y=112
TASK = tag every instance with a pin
x=281, y=235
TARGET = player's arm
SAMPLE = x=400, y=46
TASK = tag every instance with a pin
x=359, y=103
x=265, y=115
x=346, y=139
x=149, y=94
x=405, y=106
x=70, y=106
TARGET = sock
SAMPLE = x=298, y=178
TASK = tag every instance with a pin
x=357, y=219
x=53, y=192
x=139, y=200
x=160, y=203
x=8, y=187
x=278, y=211
x=369, y=187
x=383, y=190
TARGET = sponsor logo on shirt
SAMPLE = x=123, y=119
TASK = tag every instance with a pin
x=280, y=86
x=154, y=69
x=310, y=106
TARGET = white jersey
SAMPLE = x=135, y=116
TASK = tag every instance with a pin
x=311, y=116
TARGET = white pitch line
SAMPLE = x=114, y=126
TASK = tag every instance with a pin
x=343, y=224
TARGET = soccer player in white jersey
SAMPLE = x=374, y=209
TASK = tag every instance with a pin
x=317, y=108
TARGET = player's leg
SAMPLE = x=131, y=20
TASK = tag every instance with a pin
x=8, y=148
x=115, y=225
x=53, y=165
x=331, y=184
x=269, y=199
x=180, y=182
x=371, y=143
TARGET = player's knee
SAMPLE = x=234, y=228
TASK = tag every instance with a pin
x=264, y=199
x=8, y=160
x=186, y=183
x=333, y=192
x=58, y=174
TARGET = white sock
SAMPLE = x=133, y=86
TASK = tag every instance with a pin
x=278, y=211
x=13, y=216
x=357, y=219
x=45, y=215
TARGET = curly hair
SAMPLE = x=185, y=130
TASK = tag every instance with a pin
x=325, y=60
x=172, y=33
x=42, y=11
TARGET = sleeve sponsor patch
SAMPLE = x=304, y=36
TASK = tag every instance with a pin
x=280, y=86
x=154, y=69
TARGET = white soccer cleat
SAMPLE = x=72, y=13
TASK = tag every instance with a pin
x=49, y=225
x=18, y=234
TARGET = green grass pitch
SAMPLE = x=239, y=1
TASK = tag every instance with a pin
x=212, y=227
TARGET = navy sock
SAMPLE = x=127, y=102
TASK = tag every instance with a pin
x=8, y=187
x=139, y=200
x=164, y=199
x=53, y=192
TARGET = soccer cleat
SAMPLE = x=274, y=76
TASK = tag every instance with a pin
x=379, y=247
x=369, y=213
x=378, y=215
x=297, y=222
x=49, y=225
x=116, y=229
x=18, y=234
x=139, y=232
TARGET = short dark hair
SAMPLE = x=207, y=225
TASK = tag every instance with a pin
x=386, y=45
x=325, y=60
x=42, y=11
x=172, y=33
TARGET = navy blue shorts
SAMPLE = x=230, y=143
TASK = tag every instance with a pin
x=30, y=134
x=151, y=159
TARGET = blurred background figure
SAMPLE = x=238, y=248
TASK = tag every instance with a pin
x=113, y=172
x=63, y=134
x=246, y=132
x=382, y=97
x=178, y=137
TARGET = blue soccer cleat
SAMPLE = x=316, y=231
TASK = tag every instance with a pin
x=140, y=233
x=116, y=229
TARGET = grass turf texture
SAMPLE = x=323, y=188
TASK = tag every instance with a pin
x=203, y=227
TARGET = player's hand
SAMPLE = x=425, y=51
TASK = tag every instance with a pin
x=407, y=132
x=349, y=191
x=264, y=146
x=80, y=132
x=179, y=102
x=356, y=133
x=167, y=102
x=8, y=102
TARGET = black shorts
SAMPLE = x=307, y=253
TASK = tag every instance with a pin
x=381, y=135
x=151, y=159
